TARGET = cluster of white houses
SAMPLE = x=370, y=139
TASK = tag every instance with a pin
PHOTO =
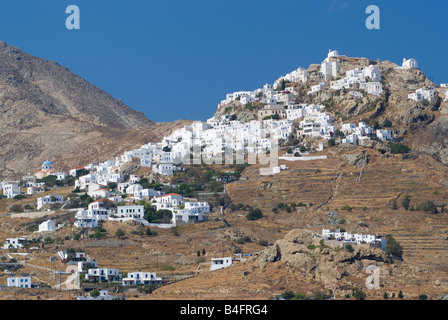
x=94, y=273
x=368, y=79
x=349, y=238
x=360, y=77
x=354, y=134
x=182, y=211
x=91, y=272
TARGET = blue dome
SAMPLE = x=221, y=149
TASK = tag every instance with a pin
x=47, y=162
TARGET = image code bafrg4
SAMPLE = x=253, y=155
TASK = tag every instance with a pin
x=245, y=309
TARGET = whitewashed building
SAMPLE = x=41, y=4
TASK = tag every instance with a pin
x=47, y=226
x=50, y=199
x=130, y=211
x=11, y=189
x=101, y=274
x=317, y=88
x=384, y=134
x=74, y=171
x=34, y=190
x=220, y=263
x=421, y=94
x=347, y=237
x=89, y=218
x=19, y=282
x=409, y=64
x=15, y=243
x=85, y=220
x=143, y=278
x=60, y=175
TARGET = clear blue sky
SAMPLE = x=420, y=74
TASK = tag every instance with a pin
x=177, y=59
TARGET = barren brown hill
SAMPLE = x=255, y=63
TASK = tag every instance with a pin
x=48, y=112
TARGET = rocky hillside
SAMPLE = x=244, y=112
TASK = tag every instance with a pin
x=48, y=112
x=31, y=89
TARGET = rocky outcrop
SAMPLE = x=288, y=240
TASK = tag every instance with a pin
x=416, y=117
x=303, y=251
x=358, y=159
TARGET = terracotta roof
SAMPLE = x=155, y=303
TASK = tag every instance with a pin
x=170, y=194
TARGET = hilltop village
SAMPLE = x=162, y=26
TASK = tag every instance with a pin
x=281, y=119
x=106, y=191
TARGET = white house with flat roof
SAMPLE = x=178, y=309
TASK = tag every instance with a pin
x=101, y=274
x=89, y=218
x=11, y=189
x=421, y=94
x=50, y=199
x=34, y=190
x=219, y=263
x=85, y=220
x=19, y=282
x=143, y=278
x=130, y=211
x=141, y=194
x=384, y=134
x=15, y=243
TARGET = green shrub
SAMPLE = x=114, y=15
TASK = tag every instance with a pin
x=119, y=233
x=299, y=296
x=254, y=214
x=427, y=206
x=349, y=248
x=175, y=231
x=387, y=123
x=358, y=294
x=200, y=260
x=32, y=227
x=393, y=247
x=94, y=293
x=168, y=268
x=398, y=148
x=405, y=202
x=287, y=295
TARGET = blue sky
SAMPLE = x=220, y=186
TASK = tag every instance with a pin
x=175, y=59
